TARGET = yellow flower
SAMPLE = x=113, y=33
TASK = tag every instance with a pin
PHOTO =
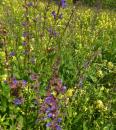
x=33, y=39
x=100, y=73
x=60, y=96
x=3, y=77
x=110, y=65
x=54, y=93
x=14, y=58
x=40, y=100
x=69, y=92
x=2, y=54
x=31, y=48
x=67, y=100
x=99, y=105
x=22, y=38
x=20, y=47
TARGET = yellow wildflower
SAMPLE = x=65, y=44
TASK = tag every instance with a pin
x=69, y=92
x=54, y=93
x=110, y=65
x=99, y=105
x=100, y=73
x=20, y=47
x=14, y=58
x=22, y=38
x=2, y=54
x=3, y=77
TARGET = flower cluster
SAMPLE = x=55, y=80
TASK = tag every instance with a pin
x=51, y=105
x=16, y=86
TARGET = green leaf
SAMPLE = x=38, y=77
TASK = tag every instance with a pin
x=85, y=125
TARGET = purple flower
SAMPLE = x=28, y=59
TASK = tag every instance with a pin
x=50, y=115
x=58, y=127
x=24, y=24
x=59, y=120
x=49, y=100
x=12, y=53
x=52, y=32
x=17, y=101
x=24, y=43
x=63, y=3
x=48, y=110
x=15, y=82
x=53, y=108
x=48, y=124
x=24, y=82
x=54, y=14
x=25, y=34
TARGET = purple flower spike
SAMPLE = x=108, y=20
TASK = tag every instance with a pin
x=63, y=3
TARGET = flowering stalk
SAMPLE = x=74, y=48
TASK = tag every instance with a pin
x=26, y=34
x=51, y=106
x=45, y=16
x=27, y=52
x=56, y=15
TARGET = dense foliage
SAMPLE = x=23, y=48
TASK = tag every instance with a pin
x=105, y=3
x=57, y=66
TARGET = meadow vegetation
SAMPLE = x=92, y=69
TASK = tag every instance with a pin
x=57, y=65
